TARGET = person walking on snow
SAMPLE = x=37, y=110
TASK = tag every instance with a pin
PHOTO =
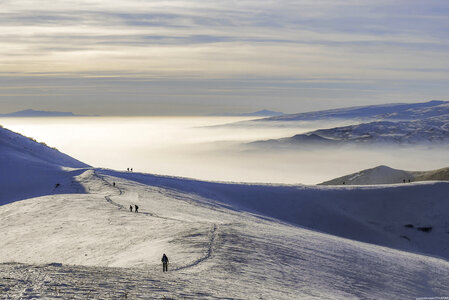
x=131, y=208
x=164, y=263
x=136, y=208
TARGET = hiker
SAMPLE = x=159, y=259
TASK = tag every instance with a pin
x=57, y=185
x=136, y=208
x=113, y=183
x=127, y=169
x=131, y=208
x=164, y=263
x=131, y=169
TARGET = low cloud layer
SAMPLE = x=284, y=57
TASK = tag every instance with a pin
x=197, y=148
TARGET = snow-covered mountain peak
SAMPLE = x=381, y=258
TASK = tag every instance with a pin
x=387, y=175
x=378, y=175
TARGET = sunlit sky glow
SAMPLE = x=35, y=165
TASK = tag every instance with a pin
x=203, y=57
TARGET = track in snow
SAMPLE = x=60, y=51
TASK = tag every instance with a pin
x=193, y=264
x=121, y=192
x=208, y=254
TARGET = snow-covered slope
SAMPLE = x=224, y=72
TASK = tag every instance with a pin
x=395, y=111
x=351, y=212
x=440, y=174
x=223, y=241
x=29, y=169
x=387, y=175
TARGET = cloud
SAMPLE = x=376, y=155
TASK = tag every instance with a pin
x=225, y=40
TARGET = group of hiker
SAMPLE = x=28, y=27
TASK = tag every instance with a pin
x=403, y=180
x=129, y=169
x=164, y=257
x=136, y=208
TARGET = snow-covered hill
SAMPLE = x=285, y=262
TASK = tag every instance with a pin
x=30, y=169
x=440, y=174
x=335, y=210
x=377, y=175
x=387, y=175
x=224, y=240
x=394, y=124
x=433, y=130
x=430, y=131
x=394, y=111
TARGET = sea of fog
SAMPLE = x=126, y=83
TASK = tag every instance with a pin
x=199, y=147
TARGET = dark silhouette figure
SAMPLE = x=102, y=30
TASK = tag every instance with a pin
x=409, y=180
x=131, y=169
x=403, y=180
x=131, y=208
x=113, y=183
x=344, y=182
x=127, y=169
x=164, y=263
x=57, y=185
x=136, y=208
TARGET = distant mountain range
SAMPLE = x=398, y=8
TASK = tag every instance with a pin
x=387, y=175
x=38, y=113
x=260, y=113
x=396, y=111
x=405, y=124
x=433, y=130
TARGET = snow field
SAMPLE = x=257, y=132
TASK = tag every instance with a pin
x=373, y=214
x=214, y=251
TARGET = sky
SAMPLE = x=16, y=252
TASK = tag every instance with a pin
x=199, y=57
